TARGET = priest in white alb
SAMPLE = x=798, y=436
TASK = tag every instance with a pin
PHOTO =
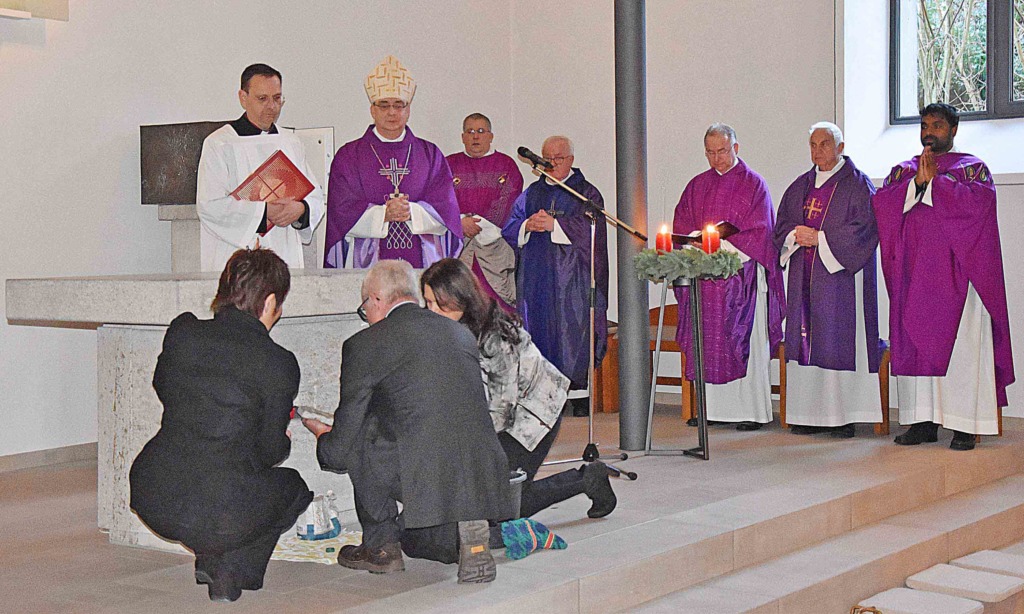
x=230, y=155
x=826, y=234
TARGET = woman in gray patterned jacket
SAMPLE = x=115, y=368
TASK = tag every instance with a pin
x=525, y=391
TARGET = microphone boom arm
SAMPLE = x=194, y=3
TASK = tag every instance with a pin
x=611, y=219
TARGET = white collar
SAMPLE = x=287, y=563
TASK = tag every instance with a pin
x=735, y=161
x=399, y=305
x=399, y=139
x=571, y=173
x=820, y=176
x=489, y=152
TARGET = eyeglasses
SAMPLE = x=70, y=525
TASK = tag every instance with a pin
x=264, y=100
x=387, y=106
x=558, y=159
x=477, y=131
x=361, y=312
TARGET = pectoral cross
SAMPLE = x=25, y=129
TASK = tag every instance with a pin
x=813, y=209
x=395, y=173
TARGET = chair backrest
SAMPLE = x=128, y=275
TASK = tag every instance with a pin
x=671, y=315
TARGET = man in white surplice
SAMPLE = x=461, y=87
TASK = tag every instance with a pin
x=230, y=155
x=948, y=322
x=826, y=234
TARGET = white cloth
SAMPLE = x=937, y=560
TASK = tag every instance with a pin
x=789, y=248
x=965, y=398
x=489, y=233
x=227, y=224
x=825, y=397
x=820, y=176
x=750, y=397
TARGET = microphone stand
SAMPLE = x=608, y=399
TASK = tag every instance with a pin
x=590, y=451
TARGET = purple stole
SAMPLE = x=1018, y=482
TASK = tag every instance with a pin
x=815, y=210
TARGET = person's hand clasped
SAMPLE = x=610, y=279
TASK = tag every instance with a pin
x=315, y=426
x=470, y=226
x=540, y=222
x=927, y=168
x=284, y=211
x=806, y=236
x=397, y=209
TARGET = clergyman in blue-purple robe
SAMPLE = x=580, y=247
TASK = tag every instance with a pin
x=949, y=327
x=826, y=233
x=390, y=194
x=552, y=233
x=742, y=316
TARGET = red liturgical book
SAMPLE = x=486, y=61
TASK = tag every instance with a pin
x=278, y=177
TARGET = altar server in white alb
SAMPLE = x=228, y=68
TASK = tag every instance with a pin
x=229, y=156
x=826, y=234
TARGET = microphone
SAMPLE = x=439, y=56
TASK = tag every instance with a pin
x=532, y=157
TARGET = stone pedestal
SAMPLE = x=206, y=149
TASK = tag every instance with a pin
x=132, y=313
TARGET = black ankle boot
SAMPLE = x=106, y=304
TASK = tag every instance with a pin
x=599, y=489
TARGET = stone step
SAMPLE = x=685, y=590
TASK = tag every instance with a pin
x=831, y=512
x=993, y=561
x=842, y=571
x=910, y=601
x=967, y=583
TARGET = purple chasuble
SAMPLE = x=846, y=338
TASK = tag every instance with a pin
x=357, y=183
x=487, y=186
x=553, y=281
x=821, y=320
x=930, y=254
x=739, y=197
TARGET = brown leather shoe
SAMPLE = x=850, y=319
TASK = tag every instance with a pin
x=374, y=560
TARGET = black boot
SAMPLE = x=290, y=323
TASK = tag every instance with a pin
x=922, y=432
x=800, y=429
x=599, y=489
x=541, y=494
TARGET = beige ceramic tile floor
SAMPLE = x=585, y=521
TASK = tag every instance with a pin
x=55, y=560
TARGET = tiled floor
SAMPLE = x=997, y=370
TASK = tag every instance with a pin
x=55, y=560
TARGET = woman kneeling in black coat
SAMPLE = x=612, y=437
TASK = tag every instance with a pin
x=208, y=478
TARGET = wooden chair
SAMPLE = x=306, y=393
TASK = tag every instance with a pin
x=606, y=376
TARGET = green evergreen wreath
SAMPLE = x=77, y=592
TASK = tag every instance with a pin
x=690, y=263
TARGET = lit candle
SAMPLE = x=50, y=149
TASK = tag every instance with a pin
x=710, y=241
x=663, y=242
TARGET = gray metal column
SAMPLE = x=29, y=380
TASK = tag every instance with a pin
x=631, y=207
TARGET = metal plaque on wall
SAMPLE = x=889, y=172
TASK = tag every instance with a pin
x=170, y=161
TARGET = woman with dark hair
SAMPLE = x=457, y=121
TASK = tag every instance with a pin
x=208, y=478
x=526, y=392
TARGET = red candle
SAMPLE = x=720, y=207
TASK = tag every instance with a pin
x=710, y=240
x=663, y=242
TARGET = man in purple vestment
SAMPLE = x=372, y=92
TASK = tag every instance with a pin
x=742, y=315
x=943, y=267
x=487, y=182
x=826, y=232
x=552, y=231
x=390, y=192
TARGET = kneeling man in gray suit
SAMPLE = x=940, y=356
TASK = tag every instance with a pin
x=413, y=426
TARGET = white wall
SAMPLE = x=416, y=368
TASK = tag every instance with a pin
x=72, y=96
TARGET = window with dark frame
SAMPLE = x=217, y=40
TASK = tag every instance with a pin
x=968, y=53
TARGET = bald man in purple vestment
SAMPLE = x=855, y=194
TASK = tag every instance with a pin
x=943, y=266
x=487, y=182
x=390, y=195
x=550, y=228
x=742, y=315
x=827, y=235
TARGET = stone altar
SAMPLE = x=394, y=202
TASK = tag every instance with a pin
x=131, y=314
